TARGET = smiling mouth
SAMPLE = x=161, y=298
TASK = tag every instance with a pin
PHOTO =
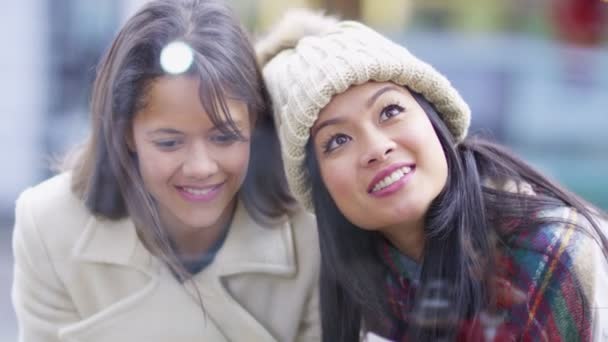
x=200, y=194
x=197, y=191
x=389, y=180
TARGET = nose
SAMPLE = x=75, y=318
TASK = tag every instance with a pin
x=199, y=163
x=377, y=147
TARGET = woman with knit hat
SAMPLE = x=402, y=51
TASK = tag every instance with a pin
x=426, y=234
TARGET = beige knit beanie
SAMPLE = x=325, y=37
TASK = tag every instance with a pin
x=308, y=58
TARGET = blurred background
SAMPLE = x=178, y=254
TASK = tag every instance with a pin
x=535, y=73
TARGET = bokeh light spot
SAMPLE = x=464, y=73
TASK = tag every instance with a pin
x=176, y=57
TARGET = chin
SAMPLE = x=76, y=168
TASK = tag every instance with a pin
x=369, y=228
x=404, y=214
x=204, y=223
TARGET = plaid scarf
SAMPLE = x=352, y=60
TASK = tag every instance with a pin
x=538, y=264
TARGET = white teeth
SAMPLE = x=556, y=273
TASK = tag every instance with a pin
x=392, y=178
x=197, y=192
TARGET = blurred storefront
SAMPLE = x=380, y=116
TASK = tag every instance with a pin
x=48, y=68
x=534, y=71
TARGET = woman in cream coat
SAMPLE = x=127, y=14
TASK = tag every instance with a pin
x=83, y=278
x=173, y=222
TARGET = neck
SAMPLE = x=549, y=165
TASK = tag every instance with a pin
x=408, y=239
x=190, y=244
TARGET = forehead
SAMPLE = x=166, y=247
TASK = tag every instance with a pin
x=177, y=98
x=358, y=97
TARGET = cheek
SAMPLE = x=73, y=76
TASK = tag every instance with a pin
x=235, y=159
x=433, y=157
x=339, y=179
x=442, y=168
x=155, y=166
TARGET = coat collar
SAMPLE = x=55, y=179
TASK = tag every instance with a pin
x=249, y=246
x=113, y=242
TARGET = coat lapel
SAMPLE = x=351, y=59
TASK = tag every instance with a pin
x=253, y=248
x=249, y=248
x=114, y=242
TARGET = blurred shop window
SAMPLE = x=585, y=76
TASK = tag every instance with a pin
x=347, y=9
x=580, y=22
x=79, y=33
x=432, y=14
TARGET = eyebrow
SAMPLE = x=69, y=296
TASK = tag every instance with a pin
x=325, y=123
x=173, y=131
x=383, y=90
x=370, y=102
x=164, y=131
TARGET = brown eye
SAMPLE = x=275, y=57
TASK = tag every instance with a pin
x=336, y=141
x=225, y=139
x=342, y=139
x=390, y=111
x=168, y=144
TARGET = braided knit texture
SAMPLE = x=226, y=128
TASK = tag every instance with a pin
x=309, y=58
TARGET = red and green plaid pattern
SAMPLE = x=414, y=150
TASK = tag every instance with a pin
x=539, y=264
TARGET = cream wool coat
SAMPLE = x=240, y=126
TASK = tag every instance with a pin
x=81, y=278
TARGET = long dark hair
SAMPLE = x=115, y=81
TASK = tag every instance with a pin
x=105, y=172
x=462, y=233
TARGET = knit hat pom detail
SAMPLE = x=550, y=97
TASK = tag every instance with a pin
x=294, y=25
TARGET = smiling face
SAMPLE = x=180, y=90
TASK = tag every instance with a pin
x=379, y=157
x=191, y=168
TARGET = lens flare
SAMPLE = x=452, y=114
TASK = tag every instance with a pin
x=176, y=57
